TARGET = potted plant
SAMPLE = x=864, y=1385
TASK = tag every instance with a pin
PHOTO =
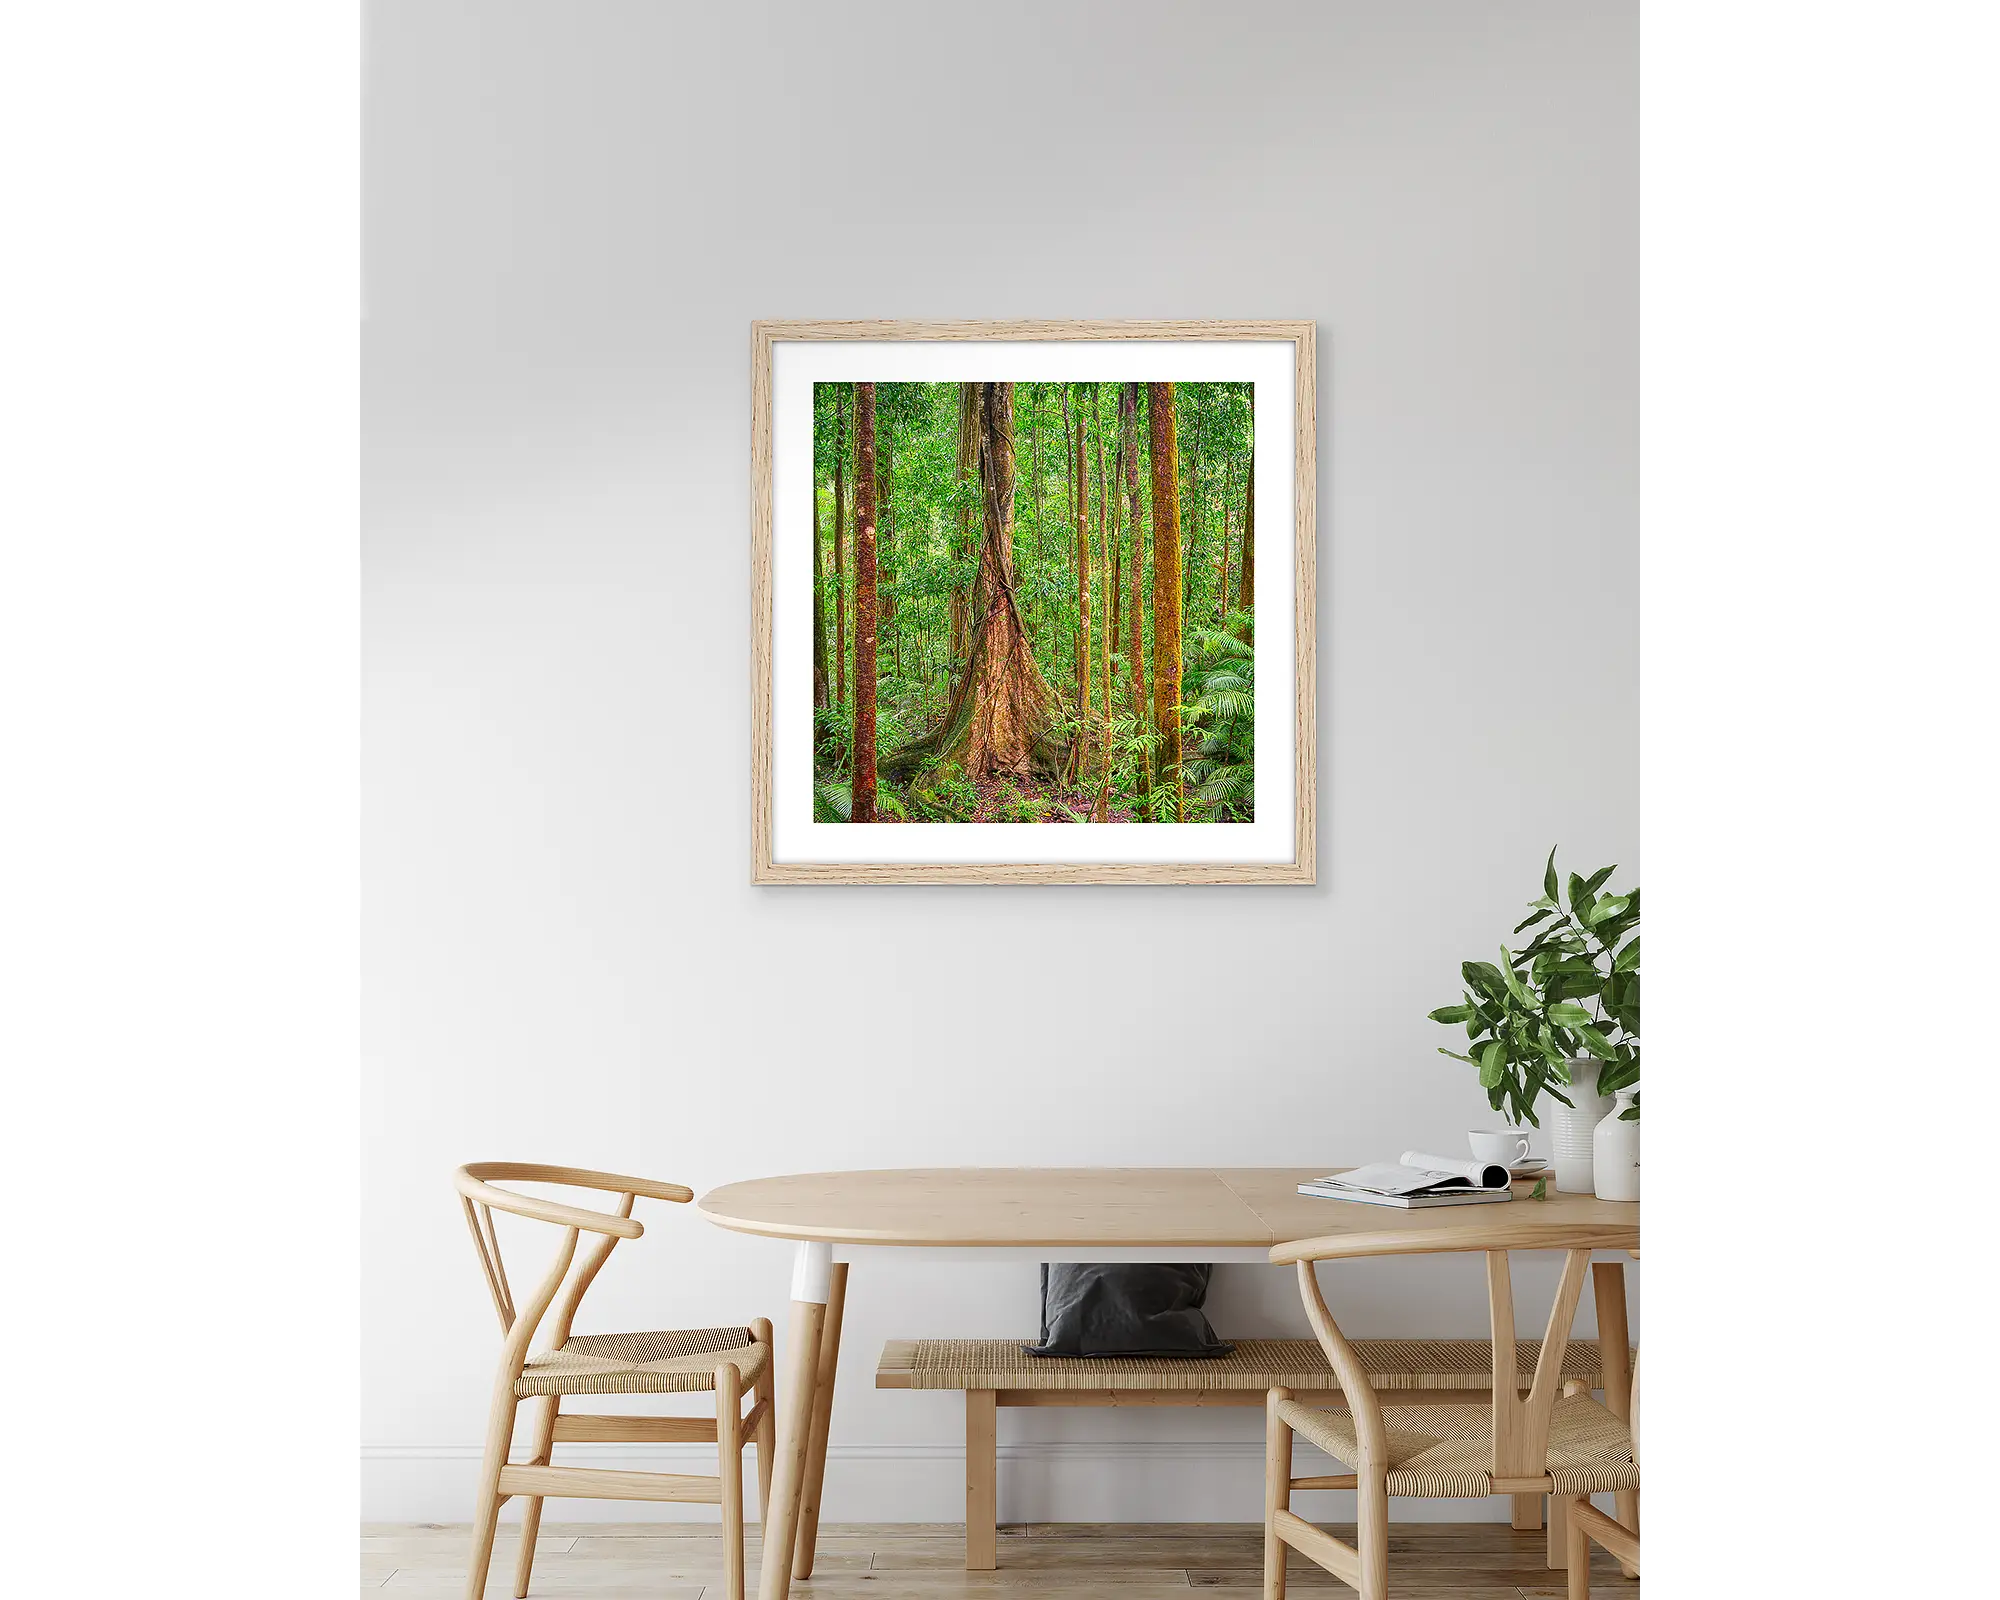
x=1560, y=1015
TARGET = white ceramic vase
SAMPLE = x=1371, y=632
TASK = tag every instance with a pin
x=1573, y=1127
x=1615, y=1153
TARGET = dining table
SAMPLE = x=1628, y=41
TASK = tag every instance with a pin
x=1101, y=1214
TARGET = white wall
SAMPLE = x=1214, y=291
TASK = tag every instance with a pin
x=574, y=212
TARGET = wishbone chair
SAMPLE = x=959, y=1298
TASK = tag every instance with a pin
x=1538, y=1442
x=724, y=1360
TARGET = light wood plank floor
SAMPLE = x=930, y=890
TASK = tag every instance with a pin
x=925, y=1561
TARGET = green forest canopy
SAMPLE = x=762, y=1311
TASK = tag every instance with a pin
x=1014, y=526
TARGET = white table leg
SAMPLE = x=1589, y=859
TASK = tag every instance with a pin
x=812, y=1273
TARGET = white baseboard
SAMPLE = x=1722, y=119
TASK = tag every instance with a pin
x=1129, y=1481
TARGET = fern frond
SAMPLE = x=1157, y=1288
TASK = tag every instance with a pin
x=1223, y=644
x=832, y=802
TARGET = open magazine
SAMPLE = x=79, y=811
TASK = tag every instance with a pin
x=1417, y=1180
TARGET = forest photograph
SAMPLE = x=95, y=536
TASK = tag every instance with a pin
x=1033, y=602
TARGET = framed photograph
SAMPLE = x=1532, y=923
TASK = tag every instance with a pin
x=1032, y=602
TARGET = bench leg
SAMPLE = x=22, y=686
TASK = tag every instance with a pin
x=1614, y=1344
x=1527, y=1511
x=822, y=1424
x=982, y=1473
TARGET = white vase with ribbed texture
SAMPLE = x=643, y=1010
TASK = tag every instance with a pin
x=1573, y=1127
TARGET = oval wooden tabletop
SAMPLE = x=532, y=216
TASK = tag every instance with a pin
x=1121, y=1207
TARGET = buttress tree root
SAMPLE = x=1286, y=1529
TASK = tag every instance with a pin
x=1002, y=719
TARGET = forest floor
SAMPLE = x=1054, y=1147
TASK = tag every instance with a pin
x=996, y=794
x=1002, y=799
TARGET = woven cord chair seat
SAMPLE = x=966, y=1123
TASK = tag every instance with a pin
x=681, y=1361
x=1446, y=1452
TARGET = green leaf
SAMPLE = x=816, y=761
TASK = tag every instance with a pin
x=1571, y=989
x=1596, y=880
x=1596, y=1043
x=1529, y=922
x=1513, y=981
x=1453, y=1014
x=1456, y=1056
x=1492, y=1057
x=1627, y=959
x=1485, y=977
x=1569, y=1014
x=1605, y=909
x=1540, y=1190
x=1579, y=897
x=1549, y=887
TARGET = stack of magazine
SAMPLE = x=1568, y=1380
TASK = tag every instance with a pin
x=1416, y=1181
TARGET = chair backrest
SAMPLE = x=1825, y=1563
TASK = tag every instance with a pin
x=1520, y=1421
x=478, y=1191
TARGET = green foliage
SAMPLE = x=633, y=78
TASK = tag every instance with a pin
x=929, y=529
x=943, y=794
x=833, y=739
x=1017, y=807
x=832, y=802
x=1573, y=990
x=1219, y=726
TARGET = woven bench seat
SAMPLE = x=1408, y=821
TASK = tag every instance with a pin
x=1453, y=1365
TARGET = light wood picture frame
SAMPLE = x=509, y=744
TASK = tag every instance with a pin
x=800, y=372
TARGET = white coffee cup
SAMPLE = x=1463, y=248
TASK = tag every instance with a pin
x=1498, y=1147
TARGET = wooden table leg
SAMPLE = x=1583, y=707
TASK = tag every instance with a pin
x=1614, y=1352
x=1527, y=1511
x=822, y=1423
x=812, y=1272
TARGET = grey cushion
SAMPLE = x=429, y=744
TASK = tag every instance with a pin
x=1126, y=1310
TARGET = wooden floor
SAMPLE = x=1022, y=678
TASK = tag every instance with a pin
x=925, y=1561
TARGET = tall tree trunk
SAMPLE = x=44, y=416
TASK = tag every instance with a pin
x=885, y=537
x=1167, y=590
x=839, y=553
x=1103, y=812
x=819, y=607
x=1193, y=551
x=1069, y=519
x=968, y=458
x=1035, y=498
x=1117, y=549
x=1002, y=714
x=1246, y=590
x=864, y=603
x=1128, y=447
x=1228, y=494
x=1080, y=480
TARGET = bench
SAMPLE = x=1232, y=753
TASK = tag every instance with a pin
x=998, y=1372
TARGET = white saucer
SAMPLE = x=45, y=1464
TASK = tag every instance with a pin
x=1529, y=1168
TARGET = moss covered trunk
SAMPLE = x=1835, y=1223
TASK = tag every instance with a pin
x=864, y=602
x=1166, y=591
x=1128, y=445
